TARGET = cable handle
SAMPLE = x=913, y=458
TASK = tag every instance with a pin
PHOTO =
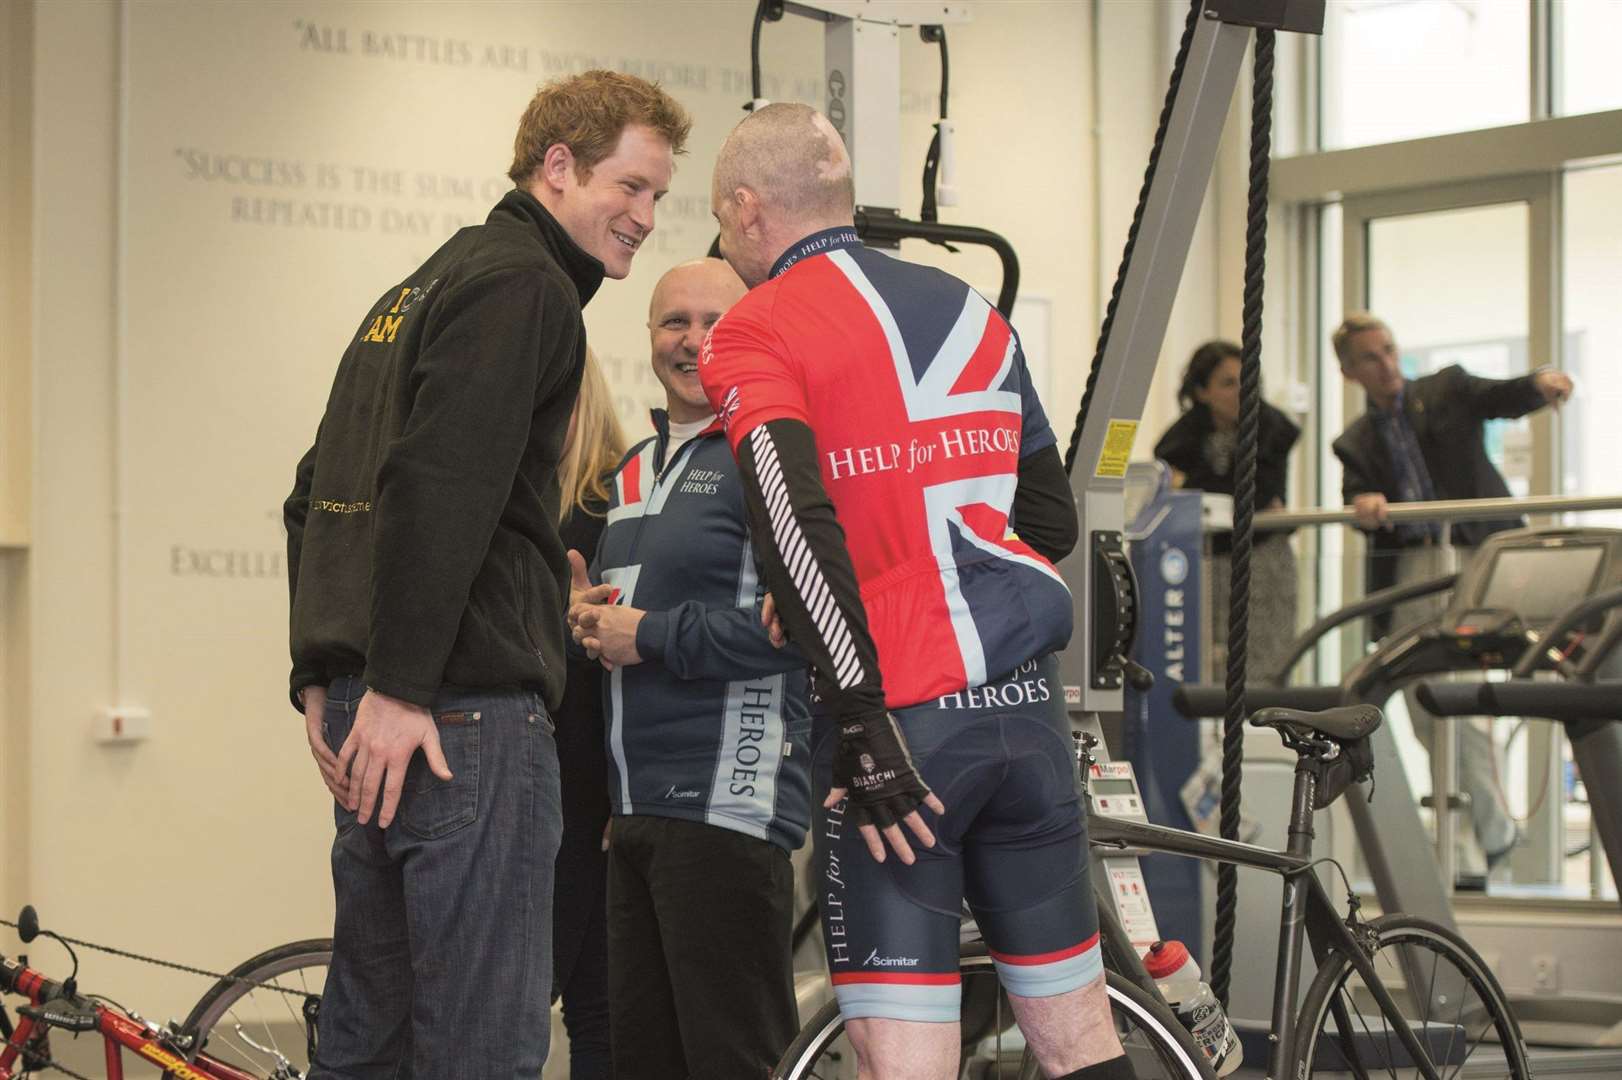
x=946, y=182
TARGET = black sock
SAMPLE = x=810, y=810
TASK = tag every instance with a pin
x=1118, y=1068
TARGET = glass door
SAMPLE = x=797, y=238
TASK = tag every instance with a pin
x=1452, y=272
x=1461, y=275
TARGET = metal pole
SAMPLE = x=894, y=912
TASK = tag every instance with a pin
x=1149, y=286
x=1445, y=510
x=1444, y=786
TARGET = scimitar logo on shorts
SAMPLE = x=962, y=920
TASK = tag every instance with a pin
x=875, y=960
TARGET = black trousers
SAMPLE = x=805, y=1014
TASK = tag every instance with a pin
x=700, y=972
x=580, y=900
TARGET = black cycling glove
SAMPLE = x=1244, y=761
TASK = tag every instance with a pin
x=873, y=763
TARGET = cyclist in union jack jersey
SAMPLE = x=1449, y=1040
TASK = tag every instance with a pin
x=907, y=496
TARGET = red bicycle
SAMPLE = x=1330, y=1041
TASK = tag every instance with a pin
x=258, y=1022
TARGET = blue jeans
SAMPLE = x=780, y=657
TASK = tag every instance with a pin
x=442, y=948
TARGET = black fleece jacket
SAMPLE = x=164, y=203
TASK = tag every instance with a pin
x=1186, y=447
x=422, y=548
x=1447, y=411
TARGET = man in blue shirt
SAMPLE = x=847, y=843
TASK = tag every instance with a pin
x=708, y=736
x=1420, y=440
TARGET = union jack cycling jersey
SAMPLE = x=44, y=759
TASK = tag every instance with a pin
x=918, y=396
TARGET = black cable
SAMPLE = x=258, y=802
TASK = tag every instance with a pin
x=754, y=54
x=1345, y=881
x=766, y=11
x=1132, y=234
x=105, y=1000
x=937, y=34
x=932, y=158
x=1244, y=504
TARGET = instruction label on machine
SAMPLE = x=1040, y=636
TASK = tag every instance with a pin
x=1131, y=898
x=1117, y=448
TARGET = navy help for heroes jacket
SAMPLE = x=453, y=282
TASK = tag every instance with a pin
x=713, y=725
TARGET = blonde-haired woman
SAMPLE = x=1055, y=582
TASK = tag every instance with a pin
x=591, y=451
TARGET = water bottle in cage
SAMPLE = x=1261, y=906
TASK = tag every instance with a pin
x=1174, y=971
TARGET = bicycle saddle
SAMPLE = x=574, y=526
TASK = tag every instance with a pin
x=1346, y=722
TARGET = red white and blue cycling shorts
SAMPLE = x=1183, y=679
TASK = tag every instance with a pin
x=1013, y=843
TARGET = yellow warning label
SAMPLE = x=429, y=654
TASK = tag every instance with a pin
x=1117, y=448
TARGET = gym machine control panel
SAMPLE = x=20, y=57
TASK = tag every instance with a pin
x=1517, y=583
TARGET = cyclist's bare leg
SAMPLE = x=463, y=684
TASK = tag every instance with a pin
x=889, y=1049
x=1068, y=1031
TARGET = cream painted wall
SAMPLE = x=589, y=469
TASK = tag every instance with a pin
x=16, y=253
x=74, y=867
x=16, y=441
x=182, y=351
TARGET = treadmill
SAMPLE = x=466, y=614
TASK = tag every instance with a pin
x=1530, y=601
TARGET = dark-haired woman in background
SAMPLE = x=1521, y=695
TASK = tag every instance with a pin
x=1200, y=448
x=591, y=451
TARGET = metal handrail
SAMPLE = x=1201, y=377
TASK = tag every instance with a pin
x=1444, y=510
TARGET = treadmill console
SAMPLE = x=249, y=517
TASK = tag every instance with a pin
x=1495, y=636
x=1520, y=581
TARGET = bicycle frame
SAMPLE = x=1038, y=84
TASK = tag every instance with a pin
x=118, y=1032
x=1306, y=911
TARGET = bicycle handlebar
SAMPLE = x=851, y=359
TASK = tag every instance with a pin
x=26, y=982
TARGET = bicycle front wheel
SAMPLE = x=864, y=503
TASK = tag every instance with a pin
x=1160, y=1048
x=1445, y=993
x=262, y=1017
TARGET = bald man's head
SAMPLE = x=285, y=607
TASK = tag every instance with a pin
x=782, y=175
x=712, y=277
x=792, y=158
x=688, y=300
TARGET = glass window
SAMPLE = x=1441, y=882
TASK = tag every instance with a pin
x=1592, y=451
x=1405, y=69
x=1452, y=285
x=1587, y=32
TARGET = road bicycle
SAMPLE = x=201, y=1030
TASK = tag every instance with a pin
x=258, y=1022
x=1395, y=996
